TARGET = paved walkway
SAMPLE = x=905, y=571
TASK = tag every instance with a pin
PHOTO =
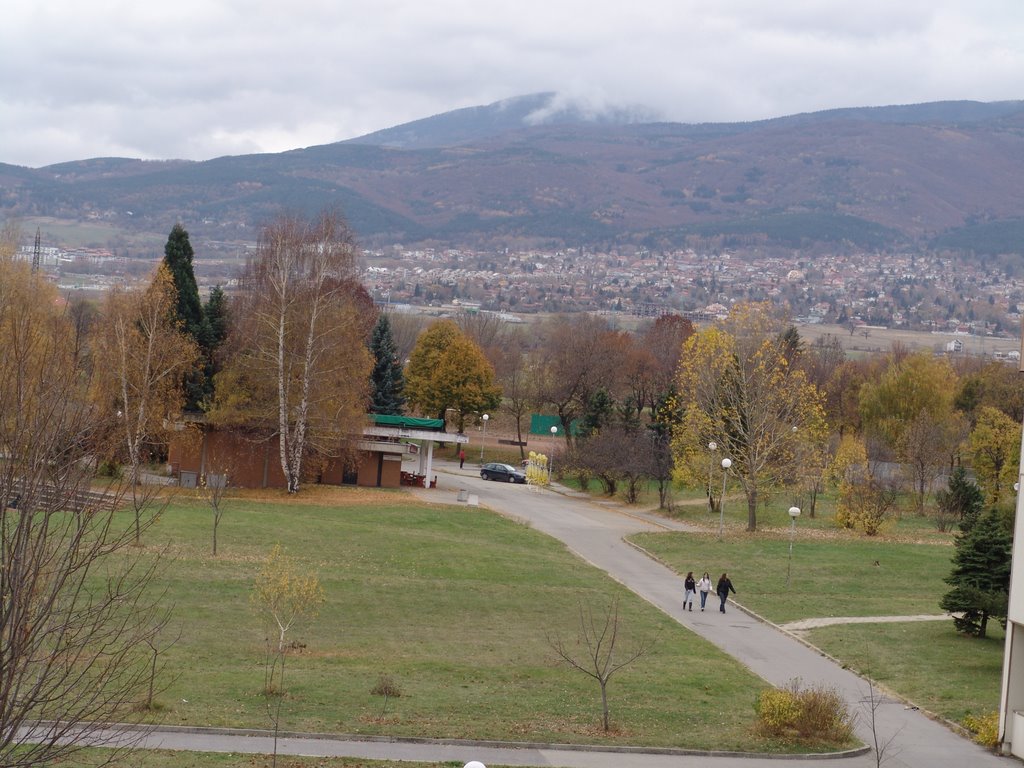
x=802, y=624
x=596, y=533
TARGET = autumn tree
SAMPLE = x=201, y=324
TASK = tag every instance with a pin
x=387, y=380
x=283, y=595
x=514, y=373
x=994, y=448
x=912, y=384
x=737, y=388
x=574, y=362
x=994, y=384
x=299, y=365
x=447, y=370
x=866, y=498
x=663, y=340
x=76, y=611
x=141, y=356
x=926, y=448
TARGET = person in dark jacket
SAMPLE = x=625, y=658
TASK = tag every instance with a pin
x=724, y=588
x=691, y=591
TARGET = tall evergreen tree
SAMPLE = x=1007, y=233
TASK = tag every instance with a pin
x=981, y=574
x=387, y=379
x=178, y=255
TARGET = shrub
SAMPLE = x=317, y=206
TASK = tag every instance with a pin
x=816, y=714
x=984, y=729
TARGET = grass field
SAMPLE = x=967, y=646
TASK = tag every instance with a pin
x=837, y=573
x=455, y=604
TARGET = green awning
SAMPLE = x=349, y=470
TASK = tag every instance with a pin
x=408, y=422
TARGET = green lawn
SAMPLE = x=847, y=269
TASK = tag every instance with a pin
x=836, y=573
x=455, y=604
x=831, y=576
x=930, y=664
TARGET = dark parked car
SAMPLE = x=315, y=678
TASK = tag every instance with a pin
x=504, y=472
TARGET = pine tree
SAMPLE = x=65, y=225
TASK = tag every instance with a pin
x=178, y=255
x=962, y=499
x=387, y=379
x=981, y=574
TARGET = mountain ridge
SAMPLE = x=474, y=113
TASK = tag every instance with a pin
x=902, y=176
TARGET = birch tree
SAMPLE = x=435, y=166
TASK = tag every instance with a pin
x=299, y=367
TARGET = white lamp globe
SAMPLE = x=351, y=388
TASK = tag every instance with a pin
x=726, y=463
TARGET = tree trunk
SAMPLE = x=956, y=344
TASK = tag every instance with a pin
x=752, y=510
x=604, y=703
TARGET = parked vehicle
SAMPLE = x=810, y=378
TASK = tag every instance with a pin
x=497, y=471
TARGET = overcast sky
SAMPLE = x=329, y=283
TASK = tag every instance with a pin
x=203, y=78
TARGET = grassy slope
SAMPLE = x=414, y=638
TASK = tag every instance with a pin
x=834, y=573
x=455, y=604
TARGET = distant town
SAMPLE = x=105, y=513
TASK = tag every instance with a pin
x=917, y=292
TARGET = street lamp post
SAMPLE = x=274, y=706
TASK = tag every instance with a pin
x=726, y=463
x=551, y=458
x=794, y=513
x=483, y=438
x=712, y=447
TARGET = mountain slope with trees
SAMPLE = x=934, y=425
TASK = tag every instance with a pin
x=942, y=174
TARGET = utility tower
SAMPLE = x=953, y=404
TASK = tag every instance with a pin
x=37, y=252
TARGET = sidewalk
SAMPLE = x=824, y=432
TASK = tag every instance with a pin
x=596, y=532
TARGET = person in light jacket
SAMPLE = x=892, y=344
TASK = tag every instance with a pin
x=723, y=589
x=691, y=591
x=704, y=586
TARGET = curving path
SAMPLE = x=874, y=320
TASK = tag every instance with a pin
x=596, y=532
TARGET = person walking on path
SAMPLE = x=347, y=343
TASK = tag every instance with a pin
x=704, y=586
x=691, y=591
x=462, y=457
x=723, y=589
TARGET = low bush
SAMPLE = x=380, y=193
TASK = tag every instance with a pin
x=984, y=729
x=816, y=714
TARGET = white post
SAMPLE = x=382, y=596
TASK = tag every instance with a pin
x=794, y=513
x=483, y=438
x=551, y=458
x=712, y=447
x=726, y=463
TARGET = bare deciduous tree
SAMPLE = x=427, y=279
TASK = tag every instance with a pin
x=596, y=654
x=76, y=613
x=141, y=356
x=215, y=489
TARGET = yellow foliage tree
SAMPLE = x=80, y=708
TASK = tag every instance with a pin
x=738, y=389
x=448, y=370
x=141, y=355
x=994, y=447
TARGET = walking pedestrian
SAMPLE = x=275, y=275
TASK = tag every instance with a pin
x=462, y=457
x=704, y=586
x=723, y=589
x=691, y=591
